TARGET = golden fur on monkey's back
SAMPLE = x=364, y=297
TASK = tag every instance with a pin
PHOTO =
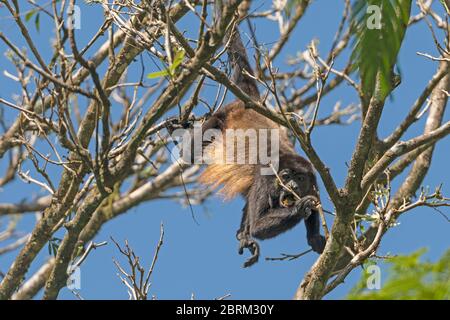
x=233, y=177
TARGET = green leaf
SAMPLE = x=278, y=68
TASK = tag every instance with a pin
x=37, y=22
x=53, y=246
x=410, y=278
x=158, y=74
x=30, y=14
x=170, y=71
x=375, y=50
x=179, y=56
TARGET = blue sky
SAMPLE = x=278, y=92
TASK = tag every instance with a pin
x=202, y=259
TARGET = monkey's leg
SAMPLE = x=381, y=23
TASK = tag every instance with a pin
x=249, y=243
x=315, y=239
x=243, y=230
x=246, y=241
x=278, y=220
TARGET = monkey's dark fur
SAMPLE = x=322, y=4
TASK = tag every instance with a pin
x=270, y=208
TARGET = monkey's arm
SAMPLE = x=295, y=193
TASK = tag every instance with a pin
x=315, y=239
x=263, y=218
x=277, y=220
x=273, y=221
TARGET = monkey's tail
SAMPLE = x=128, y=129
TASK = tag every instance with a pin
x=242, y=71
x=242, y=74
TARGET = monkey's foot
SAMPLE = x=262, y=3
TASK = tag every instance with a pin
x=253, y=247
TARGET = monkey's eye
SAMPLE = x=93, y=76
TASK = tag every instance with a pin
x=285, y=175
x=302, y=178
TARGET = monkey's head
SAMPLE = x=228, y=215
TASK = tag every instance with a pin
x=295, y=180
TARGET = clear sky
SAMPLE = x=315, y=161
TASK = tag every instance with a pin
x=202, y=259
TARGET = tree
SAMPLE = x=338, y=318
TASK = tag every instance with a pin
x=90, y=130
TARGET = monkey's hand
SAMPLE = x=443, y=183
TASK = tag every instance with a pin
x=317, y=243
x=304, y=206
x=246, y=242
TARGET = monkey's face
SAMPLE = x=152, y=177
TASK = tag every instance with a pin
x=294, y=185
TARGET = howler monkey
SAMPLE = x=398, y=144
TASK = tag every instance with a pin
x=275, y=202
